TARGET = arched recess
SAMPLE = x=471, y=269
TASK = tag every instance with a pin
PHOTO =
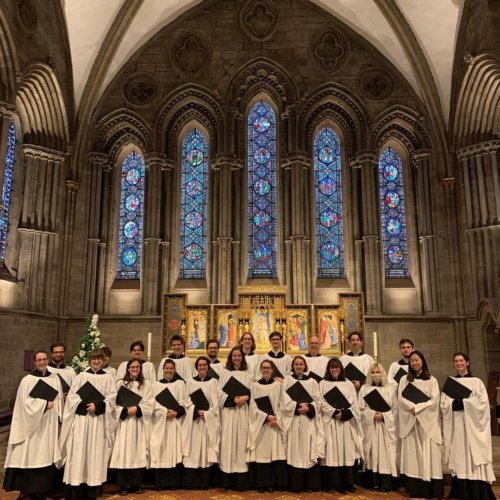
x=486, y=344
x=8, y=64
x=478, y=104
x=41, y=108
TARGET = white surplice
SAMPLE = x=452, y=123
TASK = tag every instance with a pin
x=148, y=371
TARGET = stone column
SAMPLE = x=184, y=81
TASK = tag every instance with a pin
x=150, y=282
x=357, y=257
x=167, y=205
x=426, y=231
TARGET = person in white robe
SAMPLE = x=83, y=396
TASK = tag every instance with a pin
x=33, y=448
x=137, y=352
x=107, y=356
x=406, y=347
x=316, y=362
x=357, y=357
x=166, y=438
x=183, y=365
x=87, y=432
x=58, y=366
x=420, y=432
x=129, y=458
x=234, y=423
x=281, y=360
x=253, y=359
x=303, y=430
x=266, y=448
x=216, y=365
x=342, y=430
x=201, y=430
x=379, y=432
x=467, y=436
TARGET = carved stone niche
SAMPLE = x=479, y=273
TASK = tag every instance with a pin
x=190, y=51
x=259, y=19
x=330, y=48
x=26, y=15
x=375, y=83
x=140, y=88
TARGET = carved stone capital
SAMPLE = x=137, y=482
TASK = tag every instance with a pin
x=72, y=186
x=40, y=152
x=296, y=158
x=98, y=158
x=421, y=155
x=363, y=159
x=223, y=159
x=448, y=183
x=479, y=148
x=155, y=159
x=168, y=165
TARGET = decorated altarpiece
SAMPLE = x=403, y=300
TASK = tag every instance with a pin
x=261, y=310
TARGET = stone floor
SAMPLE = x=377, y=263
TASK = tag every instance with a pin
x=219, y=494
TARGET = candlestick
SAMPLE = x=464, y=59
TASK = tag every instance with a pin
x=247, y=325
x=342, y=337
x=149, y=347
x=375, y=346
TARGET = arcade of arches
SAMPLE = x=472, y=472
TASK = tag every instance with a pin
x=65, y=138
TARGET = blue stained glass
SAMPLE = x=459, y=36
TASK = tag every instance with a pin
x=7, y=188
x=392, y=210
x=262, y=230
x=194, y=189
x=131, y=217
x=328, y=192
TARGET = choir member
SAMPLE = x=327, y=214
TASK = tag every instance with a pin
x=378, y=405
x=213, y=346
x=183, y=366
x=266, y=437
x=88, y=429
x=248, y=346
x=233, y=406
x=281, y=360
x=33, y=448
x=134, y=407
x=300, y=408
x=467, y=436
x=57, y=365
x=166, y=440
x=400, y=368
x=200, y=430
x=357, y=358
x=342, y=428
x=420, y=430
x=107, y=356
x=316, y=362
x=137, y=352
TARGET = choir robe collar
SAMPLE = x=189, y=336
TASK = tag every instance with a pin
x=350, y=353
x=265, y=382
x=421, y=377
x=62, y=366
x=38, y=373
x=309, y=355
x=276, y=355
x=173, y=356
x=206, y=379
x=249, y=354
x=463, y=376
x=304, y=377
x=216, y=361
x=402, y=362
x=99, y=372
x=175, y=378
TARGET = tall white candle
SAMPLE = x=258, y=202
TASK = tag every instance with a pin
x=149, y=345
x=375, y=346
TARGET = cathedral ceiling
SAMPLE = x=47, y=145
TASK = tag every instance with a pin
x=431, y=28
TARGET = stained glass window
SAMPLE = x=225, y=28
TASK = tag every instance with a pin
x=194, y=191
x=131, y=217
x=7, y=188
x=329, y=219
x=392, y=209
x=262, y=234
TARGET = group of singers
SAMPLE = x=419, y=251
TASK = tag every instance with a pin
x=305, y=423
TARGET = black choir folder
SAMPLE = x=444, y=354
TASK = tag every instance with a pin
x=336, y=399
x=44, y=391
x=276, y=372
x=64, y=384
x=199, y=400
x=167, y=400
x=352, y=373
x=456, y=390
x=264, y=404
x=315, y=376
x=213, y=374
x=127, y=398
x=400, y=374
x=376, y=402
x=89, y=394
x=299, y=394
x=414, y=394
x=234, y=388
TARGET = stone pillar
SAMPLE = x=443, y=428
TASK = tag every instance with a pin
x=150, y=283
x=167, y=205
x=426, y=232
x=296, y=203
x=373, y=269
x=38, y=229
x=356, y=203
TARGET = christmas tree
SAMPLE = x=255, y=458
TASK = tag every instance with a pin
x=91, y=340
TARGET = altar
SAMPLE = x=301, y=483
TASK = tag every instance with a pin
x=261, y=310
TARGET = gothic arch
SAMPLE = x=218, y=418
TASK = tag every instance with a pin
x=41, y=108
x=8, y=64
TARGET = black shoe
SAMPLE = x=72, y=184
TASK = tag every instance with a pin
x=271, y=490
x=123, y=492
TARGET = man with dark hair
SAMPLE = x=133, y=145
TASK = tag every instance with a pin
x=400, y=368
x=183, y=364
x=357, y=357
x=56, y=365
x=33, y=446
x=137, y=352
x=316, y=362
x=107, y=356
x=282, y=361
x=213, y=346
